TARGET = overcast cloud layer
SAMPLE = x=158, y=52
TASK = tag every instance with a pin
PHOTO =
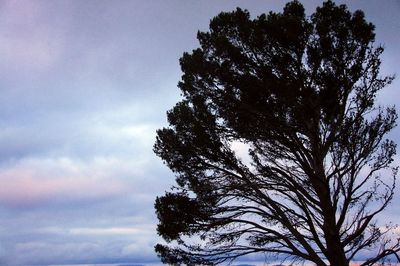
x=84, y=85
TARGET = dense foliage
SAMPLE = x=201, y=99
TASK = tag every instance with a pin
x=296, y=94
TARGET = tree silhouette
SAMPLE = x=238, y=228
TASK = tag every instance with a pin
x=298, y=94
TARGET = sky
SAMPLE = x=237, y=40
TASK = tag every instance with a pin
x=84, y=85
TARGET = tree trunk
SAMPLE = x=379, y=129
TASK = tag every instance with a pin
x=335, y=250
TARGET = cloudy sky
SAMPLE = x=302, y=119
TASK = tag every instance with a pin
x=84, y=85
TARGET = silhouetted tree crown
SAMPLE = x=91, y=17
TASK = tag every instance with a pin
x=277, y=145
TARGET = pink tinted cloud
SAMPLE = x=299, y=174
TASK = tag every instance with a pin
x=35, y=183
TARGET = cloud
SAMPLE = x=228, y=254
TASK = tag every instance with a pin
x=27, y=42
x=106, y=231
x=32, y=182
x=113, y=231
x=85, y=245
x=73, y=253
x=96, y=133
x=144, y=248
x=34, y=252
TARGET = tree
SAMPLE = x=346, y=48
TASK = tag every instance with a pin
x=299, y=94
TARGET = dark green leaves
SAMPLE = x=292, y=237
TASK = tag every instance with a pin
x=299, y=94
x=177, y=213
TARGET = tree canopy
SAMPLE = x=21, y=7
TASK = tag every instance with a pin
x=278, y=145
